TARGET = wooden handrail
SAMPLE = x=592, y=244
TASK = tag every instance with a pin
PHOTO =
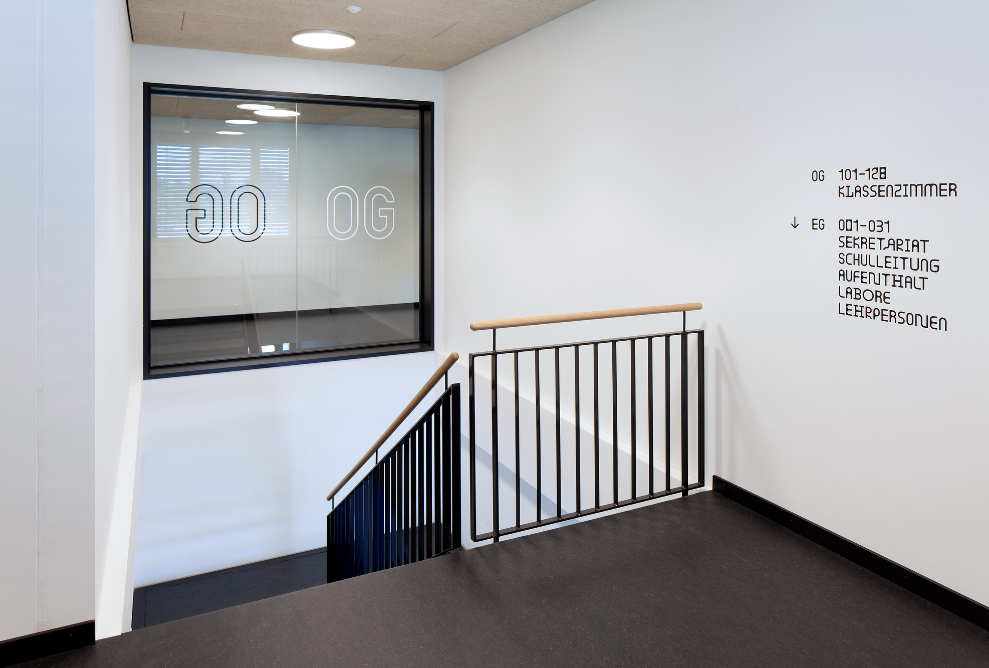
x=586, y=315
x=435, y=378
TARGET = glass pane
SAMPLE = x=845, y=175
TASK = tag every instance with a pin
x=274, y=235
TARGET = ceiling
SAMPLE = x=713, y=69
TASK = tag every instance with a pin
x=421, y=34
x=315, y=114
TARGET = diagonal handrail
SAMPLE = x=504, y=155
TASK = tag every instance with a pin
x=586, y=315
x=420, y=395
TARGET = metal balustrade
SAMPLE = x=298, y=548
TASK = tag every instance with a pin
x=670, y=436
x=408, y=507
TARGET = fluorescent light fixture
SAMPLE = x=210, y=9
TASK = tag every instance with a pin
x=240, y=121
x=353, y=9
x=228, y=132
x=408, y=118
x=278, y=113
x=323, y=39
x=285, y=346
x=254, y=107
x=267, y=349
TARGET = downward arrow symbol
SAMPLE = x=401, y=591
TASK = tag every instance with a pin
x=795, y=224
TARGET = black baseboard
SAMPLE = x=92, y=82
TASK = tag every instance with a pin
x=912, y=581
x=46, y=643
x=216, y=590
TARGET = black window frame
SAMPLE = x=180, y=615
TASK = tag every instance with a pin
x=426, y=232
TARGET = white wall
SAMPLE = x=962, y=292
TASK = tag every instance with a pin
x=635, y=152
x=47, y=296
x=114, y=369
x=235, y=465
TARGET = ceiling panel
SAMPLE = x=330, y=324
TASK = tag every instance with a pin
x=425, y=34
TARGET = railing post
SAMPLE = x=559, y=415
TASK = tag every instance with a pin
x=559, y=458
x=576, y=412
x=495, y=504
x=700, y=408
x=518, y=468
x=614, y=419
x=456, y=473
x=684, y=412
x=669, y=419
x=470, y=426
x=634, y=446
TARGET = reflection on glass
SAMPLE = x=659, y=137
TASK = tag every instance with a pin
x=299, y=236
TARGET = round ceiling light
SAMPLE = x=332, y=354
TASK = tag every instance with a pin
x=278, y=113
x=228, y=132
x=241, y=121
x=254, y=107
x=323, y=39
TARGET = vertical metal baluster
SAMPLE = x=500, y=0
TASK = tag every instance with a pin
x=428, y=488
x=576, y=412
x=396, y=522
x=346, y=535
x=407, y=502
x=518, y=470
x=413, y=475
x=363, y=566
x=666, y=340
x=375, y=542
x=700, y=408
x=448, y=473
x=421, y=528
x=495, y=502
x=614, y=419
x=330, y=547
x=379, y=531
x=559, y=473
x=393, y=506
x=358, y=530
x=373, y=507
x=437, y=540
x=367, y=488
x=383, y=520
x=455, y=473
x=634, y=447
x=684, y=404
x=410, y=498
x=539, y=448
x=597, y=436
x=473, y=440
x=649, y=399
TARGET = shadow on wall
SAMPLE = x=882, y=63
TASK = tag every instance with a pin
x=735, y=427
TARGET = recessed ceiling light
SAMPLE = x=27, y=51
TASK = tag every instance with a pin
x=353, y=9
x=228, y=132
x=254, y=107
x=408, y=118
x=323, y=39
x=276, y=112
x=241, y=121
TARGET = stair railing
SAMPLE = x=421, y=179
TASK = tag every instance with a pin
x=618, y=479
x=407, y=508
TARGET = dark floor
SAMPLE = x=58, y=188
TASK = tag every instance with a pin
x=700, y=581
x=178, y=599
